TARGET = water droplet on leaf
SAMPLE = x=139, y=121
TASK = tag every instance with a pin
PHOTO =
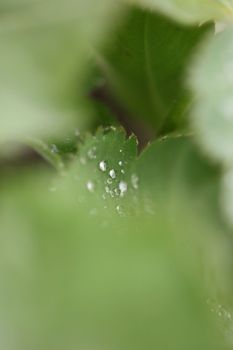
x=92, y=153
x=90, y=186
x=103, y=165
x=123, y=188
x=134, y=181
x=54, y=148
x=112, y=173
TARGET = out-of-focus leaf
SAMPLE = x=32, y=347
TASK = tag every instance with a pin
x=75, y=277
x=44, y=50
x=14, y=5
x=102, y=170
x=49, y=152
x=211, y=80
x=146, y=64
x=190, y=11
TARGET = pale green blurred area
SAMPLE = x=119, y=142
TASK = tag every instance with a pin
x=70, y=280
x=211, y=80
x=74, y=278
x=45, y=48
x=212, y=112
x=83, y=266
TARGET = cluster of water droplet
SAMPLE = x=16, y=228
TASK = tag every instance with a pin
x=116, y=183
x=54, y=148
x=225, y=319
x=220, y=311
x=112, y=187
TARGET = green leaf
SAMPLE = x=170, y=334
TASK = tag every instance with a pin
x=102, y=171
x=170, y=187
x=190, y=11
x=124, y=281
x=146, y=65
x=15, y=5
x=45, y=48
x=211, y=81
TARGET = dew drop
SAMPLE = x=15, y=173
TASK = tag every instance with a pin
x=90, y=186
x=120, y=163
x=122, y=171
x=134, y=181
x=118, y=208
x=123, y=188
x=54, y=148
x=103, y=165
x=112, y=173
x=92, y=153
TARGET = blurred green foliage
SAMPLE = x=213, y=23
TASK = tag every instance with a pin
x=147, y=70
x=106, y=243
